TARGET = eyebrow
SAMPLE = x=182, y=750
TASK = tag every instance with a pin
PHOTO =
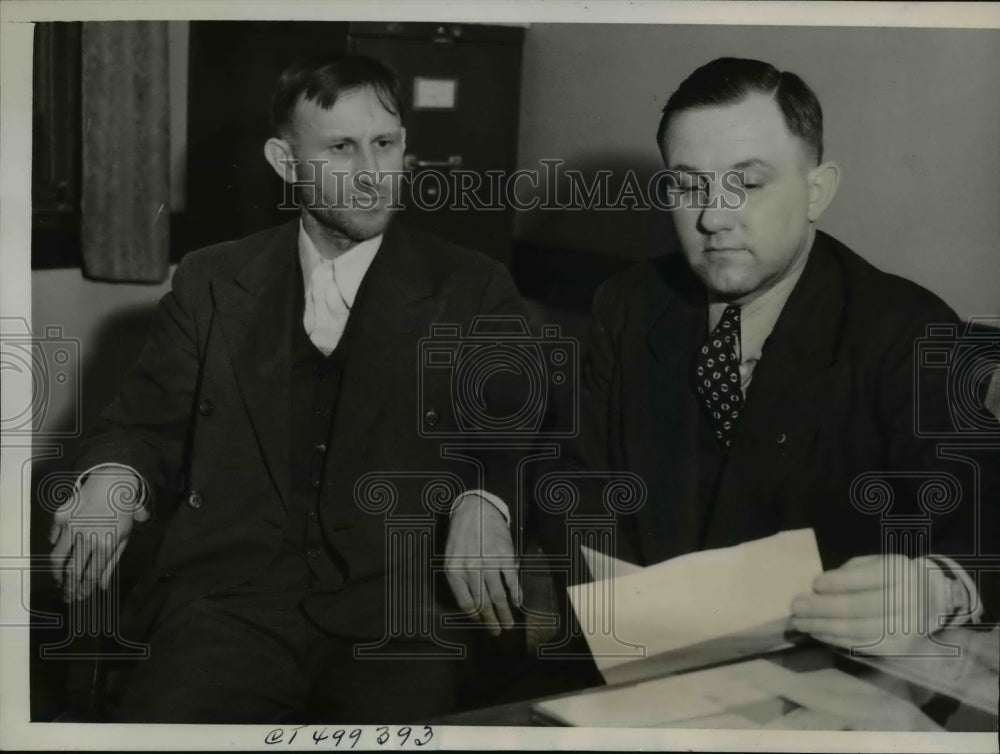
x=749, y=164
x=753, y=163
x=351, y=139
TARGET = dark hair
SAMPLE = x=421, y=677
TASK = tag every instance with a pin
x=725, y=81
x=324, y=79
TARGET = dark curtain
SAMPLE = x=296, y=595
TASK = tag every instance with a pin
x=125, y=196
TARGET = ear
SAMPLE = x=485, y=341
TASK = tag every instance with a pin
x=403, y=132
x=823, y=181
x=280, y=157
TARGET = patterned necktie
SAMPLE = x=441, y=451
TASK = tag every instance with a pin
x=717, y=375
x=326, y=311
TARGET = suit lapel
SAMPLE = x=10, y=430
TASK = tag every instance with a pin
x=395, y=301
x=790, y=387
x=256, y=309
x=671, y=520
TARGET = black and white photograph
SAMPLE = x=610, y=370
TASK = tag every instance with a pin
x=525, y=375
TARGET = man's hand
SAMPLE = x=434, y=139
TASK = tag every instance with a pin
x=91, y=530
x=480, y=561
x=889, y=601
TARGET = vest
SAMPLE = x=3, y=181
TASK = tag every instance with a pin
x=305, y=559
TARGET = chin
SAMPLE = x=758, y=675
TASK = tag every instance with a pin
x=357, y=225
x=725, y=284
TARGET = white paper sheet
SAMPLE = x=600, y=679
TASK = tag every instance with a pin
x=606, y=567
x=750, y=694
x=830, y=691
x=661, y=702
x=693, y=598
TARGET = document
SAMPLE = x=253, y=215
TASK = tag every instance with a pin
x=702, y=695
x=834, y=693
x=730, y=602
x=606, y=567
x=753, y=694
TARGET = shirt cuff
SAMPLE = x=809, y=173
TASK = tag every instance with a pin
x=490, y=498
x=964, y=610
x=140, y=512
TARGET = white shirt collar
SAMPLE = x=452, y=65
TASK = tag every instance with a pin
x=348, y=269
x=758, y=317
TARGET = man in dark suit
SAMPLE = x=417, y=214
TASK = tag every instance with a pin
x=763, y=380
x=279, y=419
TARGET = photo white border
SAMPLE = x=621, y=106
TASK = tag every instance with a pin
x=15, y=300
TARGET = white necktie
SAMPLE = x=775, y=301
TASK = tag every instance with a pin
x=326, y=311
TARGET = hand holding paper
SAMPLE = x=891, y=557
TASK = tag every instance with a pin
x=738, y=596
x=883, y=601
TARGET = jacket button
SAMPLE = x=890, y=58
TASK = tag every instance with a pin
x=195, y=499
x=205, y=407
x=781, y=438
x=431, y=417
x=312, y=552
x=166, y=576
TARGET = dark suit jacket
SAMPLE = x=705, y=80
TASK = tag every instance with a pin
x=832, y=398
x=206, y=409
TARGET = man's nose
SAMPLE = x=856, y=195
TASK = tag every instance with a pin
x=366, y=166
x=715, y=216
x=715, y=220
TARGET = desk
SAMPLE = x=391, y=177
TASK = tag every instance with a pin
x=954, y=694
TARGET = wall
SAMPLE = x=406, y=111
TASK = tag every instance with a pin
x=911, y=115
x=108, y=321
